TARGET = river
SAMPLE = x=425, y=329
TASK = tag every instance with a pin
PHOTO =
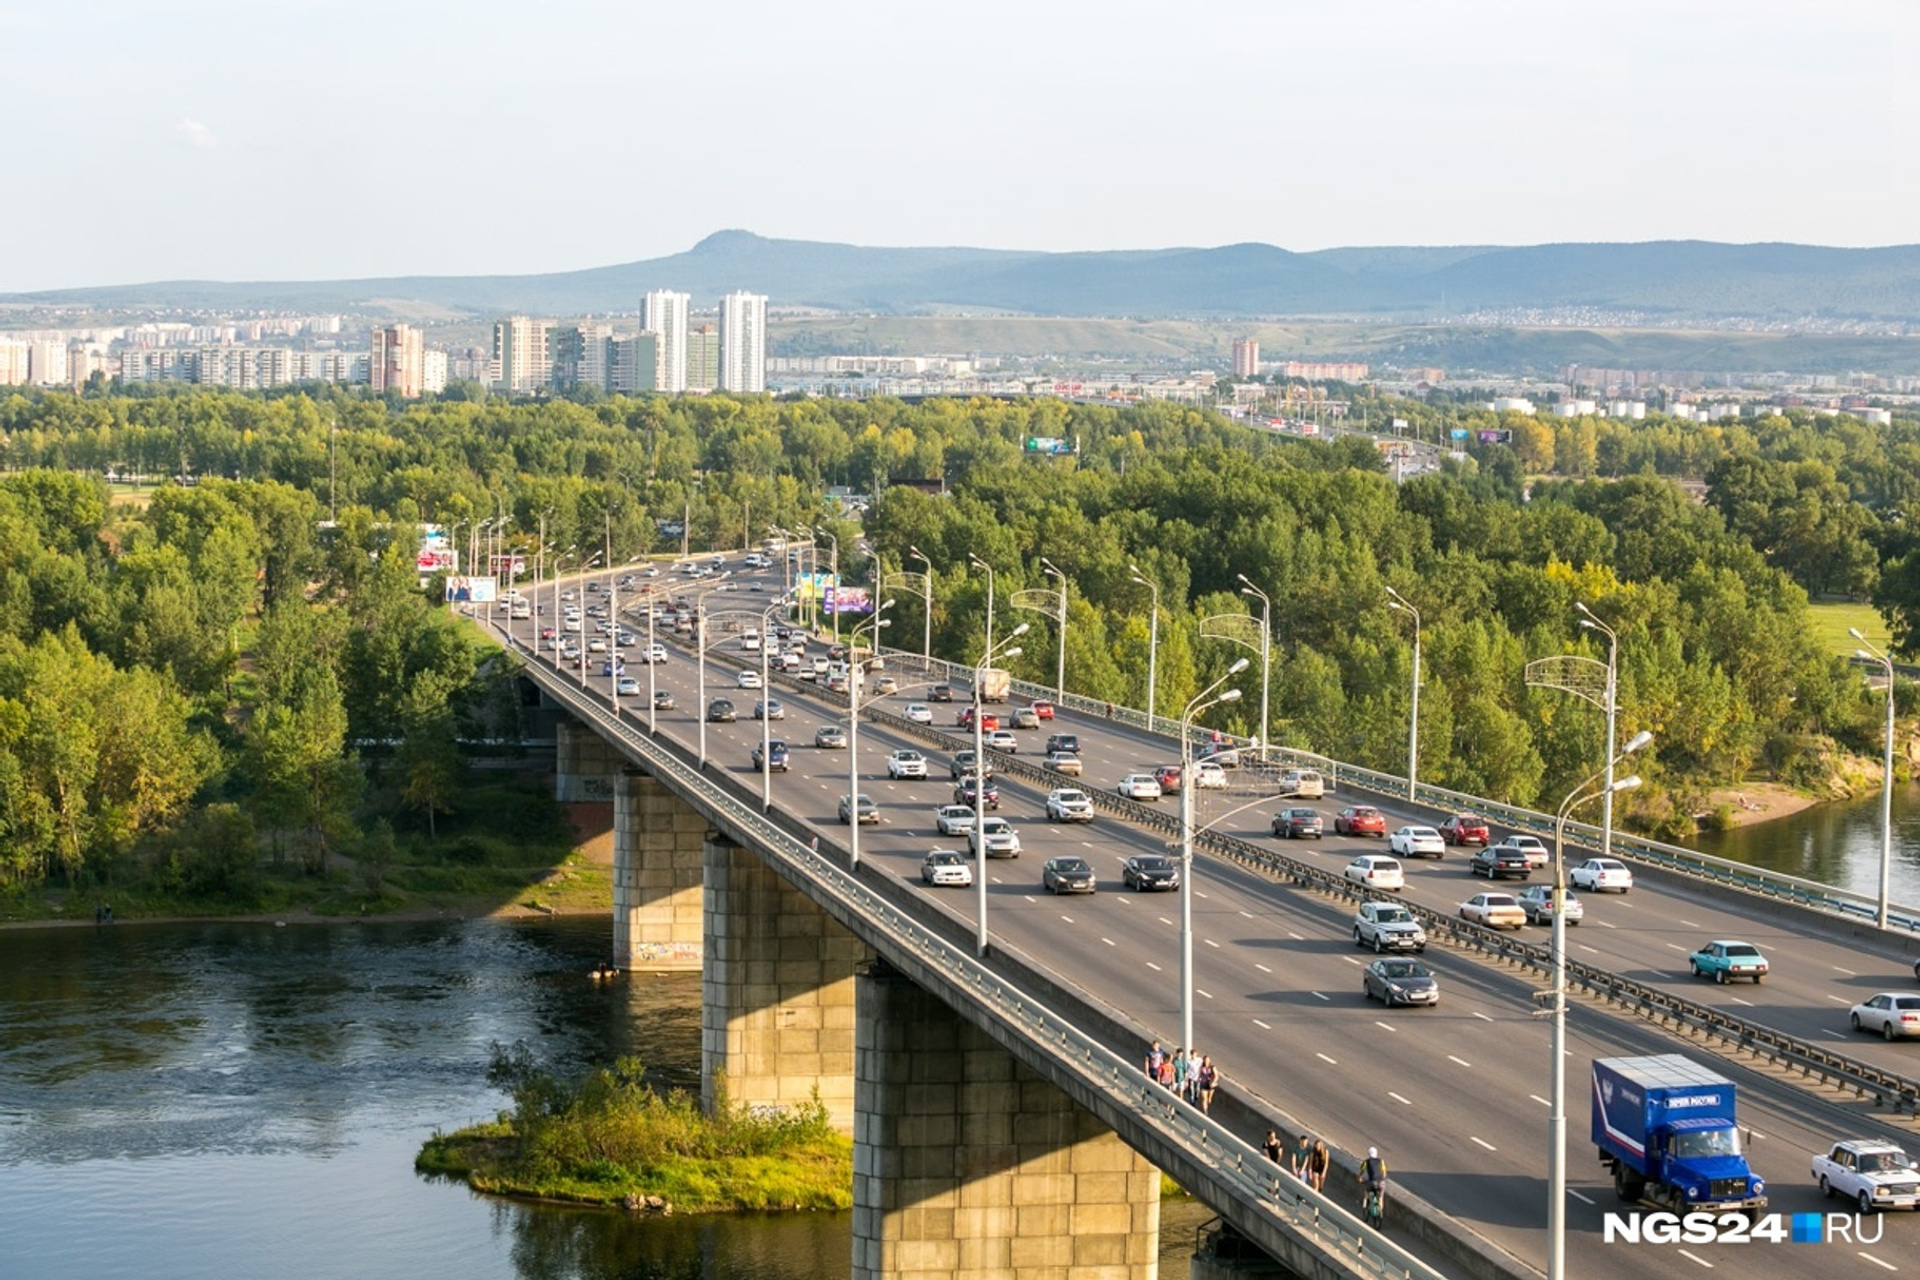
x=195, y=1101
x=1836, y=844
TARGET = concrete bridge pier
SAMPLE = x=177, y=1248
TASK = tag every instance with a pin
x=586, y=767
x=967, y=1165
x=777, y=1007
x=658, y=863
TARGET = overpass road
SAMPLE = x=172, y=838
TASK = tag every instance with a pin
x=1454, y=1095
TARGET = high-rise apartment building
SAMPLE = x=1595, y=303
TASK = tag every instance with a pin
x=520, y=356
x=433, y=372
x=703, y=357
x=743, y=342
x=665, y=313
x=397, y=362
x=1246, y=358
x=581, y=356
x=13, y=364
x=635, y=364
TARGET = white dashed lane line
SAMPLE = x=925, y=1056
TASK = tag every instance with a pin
x=1108, y=941
x=1875, y=1261
x=1483, y=1017
x=1461, y=1061
x=1151, y=965
x=1263, y=1026
x=1577, y=1196
x=1537, y=1098
x=1324, y=1058
x=1262, y=968
x=1385, y=1026
x=1405, y=1102
x=1483, y=1142
x=1694, y=1257
x=1248, y=914
x=1320, y=996
x=1210, y=942
x=1207, y=994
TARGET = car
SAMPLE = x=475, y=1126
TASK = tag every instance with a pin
x=1466, y=828
x=1168, y=776
x=1376, y=872
x=748, y=679
x=596, y=645
x=1891, y=1013
x=1298, y=824
x=1537, y=901
x=963, y=792
x=830, y=737
x=777, y=760
x=1873, y=1173
x=1139, y=786
x=953, y=819
x=946, y=867
x=1601, y=875
x=1417, y=842
x=1004, y=740
x=1065, y=762
x=1227, y=757
x=1527, y=847
x=769, y=709
x=1498, y=860
x=1405, y=982
x=906, y=763
x=1360, y=820
x=1069, y=804
x=998, y=837
x=750, y=643
x=919, y=713
x=1494, y=910
x=1724, y=960
x=663, y=700
x=1067, y=875
x=989, y=720
x=964, y=763
x=1306, y=784
x=1042, y=709
x=1025, y=719
x=869, y=811
x=720, y=711
x=940, y=693
x=1150, y=872
x=656, y=652
x=821, y=666
x=1387, y=926
x=836, y=653
x=1208, y=776
x=627, y=687
x=884, y=687
x=1069, y=742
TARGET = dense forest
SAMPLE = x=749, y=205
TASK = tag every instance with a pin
x=238, y=676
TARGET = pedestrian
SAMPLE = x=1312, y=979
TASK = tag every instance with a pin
x=1272, y=1146
x=814, y=844
x=1193, y=1075
x=1209, y=1080
x=1180, y=1073
x=1319, y=1160
x=1166, y=1072
x=1155, y=1056
x=1297, y=1157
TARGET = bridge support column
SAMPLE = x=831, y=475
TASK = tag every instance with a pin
x=966, y=1164
x=658, y=863
x=585, y=766
x=777, y=1006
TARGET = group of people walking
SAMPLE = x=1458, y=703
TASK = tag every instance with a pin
x=1187, y=1073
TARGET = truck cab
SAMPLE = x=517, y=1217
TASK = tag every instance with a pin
x=1666, y=1126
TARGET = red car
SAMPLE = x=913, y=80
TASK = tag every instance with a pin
x=1168, y=776
x=1043, y=710
x=1360, y=820
x=1465, y=828
x=988, y=720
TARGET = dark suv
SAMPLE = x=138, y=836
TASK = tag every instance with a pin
x=1063, y=742
x=720, y=711
x=1496, y=861
x=963, y=792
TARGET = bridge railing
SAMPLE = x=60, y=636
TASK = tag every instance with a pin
x=1236, y=1165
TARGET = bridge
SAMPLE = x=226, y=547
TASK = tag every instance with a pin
x=1001, y=1120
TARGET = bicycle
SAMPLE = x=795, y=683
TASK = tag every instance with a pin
x=1375, y=1208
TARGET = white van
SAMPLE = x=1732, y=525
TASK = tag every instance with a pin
x=1306, y=784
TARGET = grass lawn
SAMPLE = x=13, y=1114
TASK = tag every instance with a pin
x=1831, y=620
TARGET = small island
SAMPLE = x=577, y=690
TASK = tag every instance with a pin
x=613, y=1140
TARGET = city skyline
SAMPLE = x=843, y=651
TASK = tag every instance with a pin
x=1469, y=122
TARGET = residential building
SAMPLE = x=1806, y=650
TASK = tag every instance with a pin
x=743, y=342
x=47, y=363
x=1313, y=371
x=703, y=358
x=664, y=312
x=580, y=356
x=1246, y=358
x=396, y=362
x=433, y=372
x=13, y=364
x=635, y=364
x=520, y=356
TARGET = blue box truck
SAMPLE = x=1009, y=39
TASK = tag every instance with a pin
x=1666, y=1127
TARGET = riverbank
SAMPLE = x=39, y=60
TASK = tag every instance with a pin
x=1757, y=802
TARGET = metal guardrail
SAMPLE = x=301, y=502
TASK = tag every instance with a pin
x=1310, y=1215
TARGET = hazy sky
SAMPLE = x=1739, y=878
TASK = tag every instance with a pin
x=315, y=139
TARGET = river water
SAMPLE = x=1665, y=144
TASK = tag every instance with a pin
x=185, y=1102
x=1836, y=844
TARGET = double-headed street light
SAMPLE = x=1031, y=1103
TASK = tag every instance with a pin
x=926, y=642
x=1200, y=703
x=1885, y=659
x=1153, y=639
x=1266, y=659
x=856, y=677
x=700, y=648
x=1396, y=601
x=987, y=658
x=1557, y=997
x=976, y=560
x=586, y=569
x=766, y=706
x=1591, y=622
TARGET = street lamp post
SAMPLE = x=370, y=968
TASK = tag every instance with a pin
x=559, y=630
x=1557, y=1079
x=1200, y=703
x=700, y=649
x=1395, y=601
x=1266, y=659
x=1153, y=640
x=1885, y=660
x=1060, y=670
x=987, y=656
x=974, y=559
x=926, y=642
x=856, y=677
x=833, y=571
x=588, y=568
x=1593, y=623
x=766, y=708
x=653, y=689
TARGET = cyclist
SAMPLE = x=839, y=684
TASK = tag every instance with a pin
x=1373, y=1177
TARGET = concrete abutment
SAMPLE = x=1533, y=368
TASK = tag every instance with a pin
x=658, y=866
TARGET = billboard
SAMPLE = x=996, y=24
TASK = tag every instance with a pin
x=500, y=563
x=1495, y=436
x=848, y=600
x=1457, y=433
x=811, y=586
x=1049, y=445
x=437, y=560
x=462, y=589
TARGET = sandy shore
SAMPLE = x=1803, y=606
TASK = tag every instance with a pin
x=1760, y=802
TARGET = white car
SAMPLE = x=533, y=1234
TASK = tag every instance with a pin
x=1890, y=1015
x=906, y=763
x=1494, y=910
x=656, y=652
x=1208, y=776
x=1417, y=842
x=1376, y=871
x=946, y=867
x=1871, y=1173
x=1139, y=786
x=1601, y=875
x=1003, y=740
x=999, y=837
x=1536, y=853
x=749, y=680
x=627, y=687
x=953, y=819
x=750, y=644
x=919, y=713
x=1069, y=804
x=596, y=645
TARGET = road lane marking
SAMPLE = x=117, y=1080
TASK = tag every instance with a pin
x=1405, y=1102
x=1838, y=969
x=1875, y=1261
x=1606, y=925
x=1207, y=994
x=1263, y=1026
x=1351, y=960
x=1324, y=1058
x=1690, y=924
x=1151, y=965
x=1247, y=914
x=1165, y=921
x=1318, y=996
x=1483, y=1142
x=1462, y=1061
x=1385, y=1026
x=1695, y=1258
x=1738, y=1000
x=1577, y=1196
x=1585, y=947
x=1483, y=1017
x=1262, y=968
x=1210, y=942
x=1674, y=946
x=1108, y=941
x=1295, y=936
x=1198, y=894
x=1068, y=919
x=1537, y=1098
x=1840, y=1000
